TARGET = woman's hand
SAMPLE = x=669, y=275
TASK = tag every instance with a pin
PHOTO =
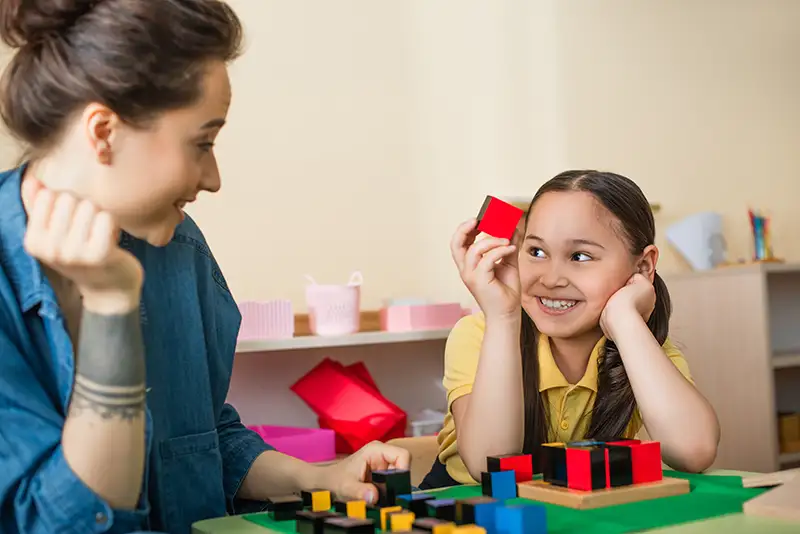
x=636, y=298
x=80, y=243
x=349, y=478
x=489, y=270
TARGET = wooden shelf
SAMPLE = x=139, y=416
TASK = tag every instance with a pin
x=789, y=458
x=786, y=360
x=321, y=342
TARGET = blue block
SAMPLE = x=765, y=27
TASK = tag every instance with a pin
x=521, y=519
x=501, y=485
x=486, y=516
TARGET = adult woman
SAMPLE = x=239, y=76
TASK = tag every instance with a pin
x=112, y=389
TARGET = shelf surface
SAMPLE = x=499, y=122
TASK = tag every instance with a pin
x=321, y=342
x=783, y=360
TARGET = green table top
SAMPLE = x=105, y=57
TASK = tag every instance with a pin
x=713, y=506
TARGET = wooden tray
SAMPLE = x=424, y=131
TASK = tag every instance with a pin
x=538, y=490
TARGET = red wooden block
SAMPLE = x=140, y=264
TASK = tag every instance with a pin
x=586, y=468
x=521, y=464
x=645, y=460
x=498, y=218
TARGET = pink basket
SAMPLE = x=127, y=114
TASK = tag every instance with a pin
x=307, y=444
x=334, y=310
x=266, y=320
x=420, y=317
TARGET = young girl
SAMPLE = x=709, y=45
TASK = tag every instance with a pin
x=572, y=340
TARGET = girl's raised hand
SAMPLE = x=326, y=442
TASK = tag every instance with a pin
x=80, y=242
x=489, y=270
x=637, y=298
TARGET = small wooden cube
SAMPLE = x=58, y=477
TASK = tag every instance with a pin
x=348, y=525
x=415, y=502
x=586, y=468
x=476, y=511
x=284, y=508
x=434, y=526
x=317, y=500
x=390, y=484
x=501, y=485
x=356, y=508
x=442, y=509
x=309, y=522
x=521, y=519
x=401, y=521
x=384, y=514
x=554, y=464
x=521, y=464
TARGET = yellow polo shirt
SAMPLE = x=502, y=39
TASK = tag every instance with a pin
x=570, y=405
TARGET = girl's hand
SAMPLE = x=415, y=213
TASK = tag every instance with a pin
x=489, y=270
x=79, y=242
x=349, y=478
x=636, y=299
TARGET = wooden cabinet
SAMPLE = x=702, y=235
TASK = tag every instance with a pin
x=739, y=328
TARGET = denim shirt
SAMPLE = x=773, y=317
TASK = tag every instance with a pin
x=197, y=448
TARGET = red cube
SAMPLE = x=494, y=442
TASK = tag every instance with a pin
x=586, y=468
x=521, y=464
x=645, y=460
x=498, y=218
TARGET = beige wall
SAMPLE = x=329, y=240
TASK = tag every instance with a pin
x=361, y=132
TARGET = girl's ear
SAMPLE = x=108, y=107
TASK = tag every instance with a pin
x=646, y=265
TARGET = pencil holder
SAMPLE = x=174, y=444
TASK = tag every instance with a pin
x=334, y=310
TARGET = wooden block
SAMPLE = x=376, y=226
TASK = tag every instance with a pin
x=521, y=519
x=586, y=468
x=284, y=508
x=645, y=459
x=348, y=525
x=478, y=511
x=401, y=521
x=469, y=529
x=442, y=509
x=501, y=485
x=317, y=500
x=554, y=463
x=521, y=464
x=355, y=509
x=782, y=502
x=415, y=502
x=769, y=479
x=498, y=218
x=541, y=491
x=434, y=526
x=390, y=484
x=384, y=514
x=309, y=522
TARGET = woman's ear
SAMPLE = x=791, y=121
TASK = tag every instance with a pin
x=646, y=264
x=100, y=125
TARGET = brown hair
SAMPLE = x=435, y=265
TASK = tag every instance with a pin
x=615, y=401
x=139, y=58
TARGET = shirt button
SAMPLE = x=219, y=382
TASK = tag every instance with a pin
x=564, y=425
x=100, y=518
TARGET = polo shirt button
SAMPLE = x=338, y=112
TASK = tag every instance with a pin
x=100, y=518
x=564, y=425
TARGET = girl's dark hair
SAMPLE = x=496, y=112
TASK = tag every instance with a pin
x=615, y=402
x=139, y=58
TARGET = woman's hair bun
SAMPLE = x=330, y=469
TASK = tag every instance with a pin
x=32, y=21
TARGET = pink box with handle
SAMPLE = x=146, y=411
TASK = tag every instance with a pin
x=420, y=317
x=307, y=444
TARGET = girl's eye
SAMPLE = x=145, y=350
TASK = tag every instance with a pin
x=536, y=252
x=580, y=256
x=205, y=147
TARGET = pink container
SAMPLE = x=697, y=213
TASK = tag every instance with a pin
x=307, y=444
x=422, y=317
x=266, y=320
x=334, y=310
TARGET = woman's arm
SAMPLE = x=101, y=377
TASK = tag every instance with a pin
x=490, y=420
x=275, y=474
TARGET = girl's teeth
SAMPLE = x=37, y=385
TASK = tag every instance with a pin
x=558, y=304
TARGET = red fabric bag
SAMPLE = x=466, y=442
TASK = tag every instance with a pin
x=347, y=401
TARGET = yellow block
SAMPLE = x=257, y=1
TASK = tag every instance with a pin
x=401, y=521
x=469, y=529
x=357, y=509
x=386, y=511
x=444, y=528
x=321, y=501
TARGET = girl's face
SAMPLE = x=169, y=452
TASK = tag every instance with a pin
x=153, y=173
x=572, y=260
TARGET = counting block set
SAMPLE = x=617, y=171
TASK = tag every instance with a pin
x=593, y=474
